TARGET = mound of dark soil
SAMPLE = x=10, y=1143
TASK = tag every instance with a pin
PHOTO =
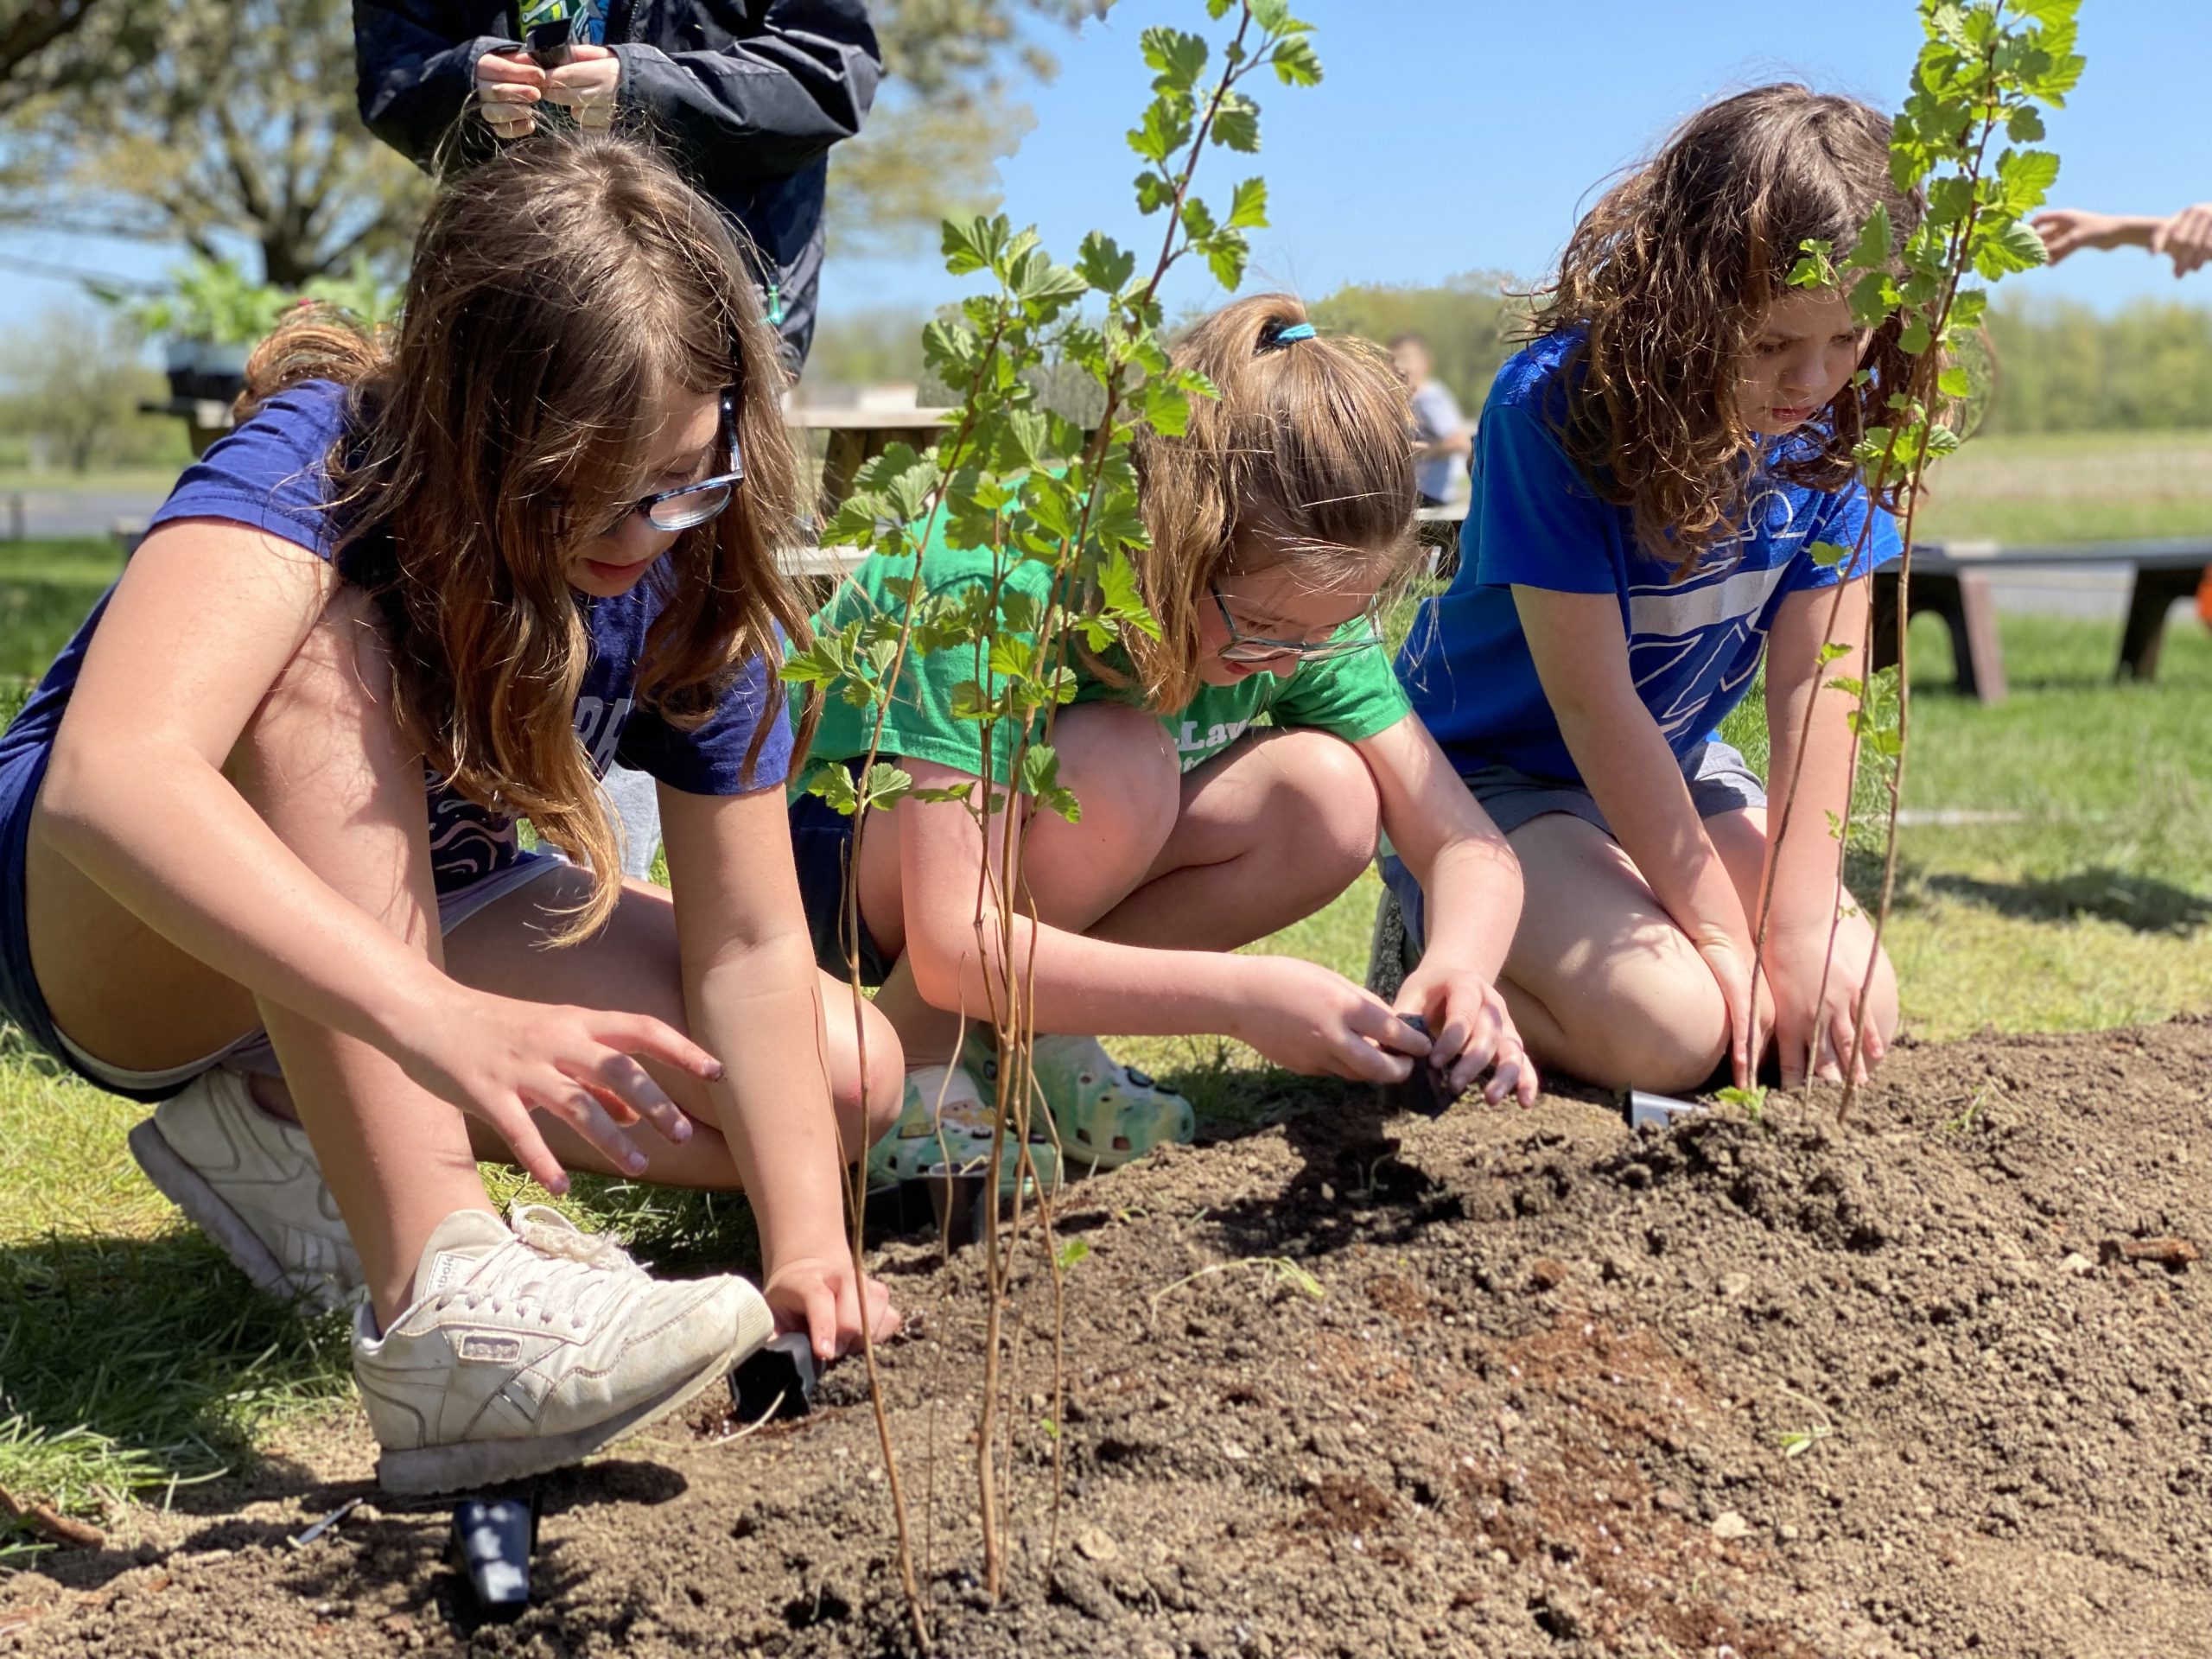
x=1928, y=1383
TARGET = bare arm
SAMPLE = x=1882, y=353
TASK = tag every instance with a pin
x=136, y=796
x=751, y=993
x=1472, y=883
x=1296, y=1012
x=1581, y=651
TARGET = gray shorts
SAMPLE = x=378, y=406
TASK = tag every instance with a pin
x=1720, y=782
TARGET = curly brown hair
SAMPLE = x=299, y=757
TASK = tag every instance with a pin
x=558, y=294
x=1667, y=280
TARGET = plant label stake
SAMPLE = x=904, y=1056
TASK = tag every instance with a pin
x=1424, y=1089
x=778, y=1382
x=1646, y=1111
x=492, y=1541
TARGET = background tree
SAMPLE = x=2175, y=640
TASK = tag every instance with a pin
x=212, y=123
x=72, y=381
x=237, y=126
x=48, y=44
x=949, y=112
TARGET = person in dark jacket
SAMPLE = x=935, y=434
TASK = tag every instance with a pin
x=751, y=93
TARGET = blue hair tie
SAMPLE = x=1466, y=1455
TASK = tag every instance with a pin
x=1296, y=331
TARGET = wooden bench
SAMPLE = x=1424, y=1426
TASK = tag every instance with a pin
x=1952, y=581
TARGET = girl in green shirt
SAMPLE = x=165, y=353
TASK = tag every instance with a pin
x=1232, y=782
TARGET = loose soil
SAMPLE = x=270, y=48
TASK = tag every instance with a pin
x=1918, y=1384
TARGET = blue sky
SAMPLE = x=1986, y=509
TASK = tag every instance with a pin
x=1458, y=135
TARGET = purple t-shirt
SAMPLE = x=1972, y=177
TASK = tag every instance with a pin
x=269, y=474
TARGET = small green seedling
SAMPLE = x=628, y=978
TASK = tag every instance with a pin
x=1072, y=1251
x=1753, y=1100
x=1797, y=1443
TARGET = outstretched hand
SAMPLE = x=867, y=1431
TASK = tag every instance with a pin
x=500, y=1059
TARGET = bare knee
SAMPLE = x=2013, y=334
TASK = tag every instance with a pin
x=1321, y=813
x=867, y=1071
x=1659, y=1024
x=1125, y=776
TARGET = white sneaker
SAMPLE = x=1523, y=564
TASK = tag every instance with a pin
x=526, y=1349
x=251, y=1183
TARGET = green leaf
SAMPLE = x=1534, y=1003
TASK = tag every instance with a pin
x=1828, y=554
x=1072, y=1251
x=1876, y=244
x=832, y=782
x=1296, y=63
x=1040, y=769
x=887, y=784
x=2024, y=125
x=1226, y=252
x=1954, y=382
x=1831, y=650
x=1247, y=207
x=968, y=701
x=1154, y=193
x=973, y=243
x=1164, y=131
x=1236, y=124
x=1197, y=219
x=1167, y=409
x=1176, y=57
x=1103, y=263
x=2014, y=247
x=1914, y=337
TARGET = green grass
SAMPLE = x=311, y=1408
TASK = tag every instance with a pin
x=131, y=1358
x=46, y=589
x=2074, y=486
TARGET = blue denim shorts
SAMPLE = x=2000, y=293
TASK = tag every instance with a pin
x=1720, y=779
x=24, y=1004
x=822, y=844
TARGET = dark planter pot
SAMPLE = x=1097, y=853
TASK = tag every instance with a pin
x=201, y=370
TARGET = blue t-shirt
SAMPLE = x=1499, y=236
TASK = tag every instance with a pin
x=1533, y=520
x=269, y=474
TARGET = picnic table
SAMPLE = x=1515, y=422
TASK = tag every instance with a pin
x=1952, y=579
x=859, y=435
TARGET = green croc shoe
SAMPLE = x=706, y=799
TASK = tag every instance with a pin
x=948, y=1119
x=1107, y=1113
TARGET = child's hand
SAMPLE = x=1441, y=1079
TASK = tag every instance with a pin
x=1812, y=1021
x=501, y=1059
x=1749, y=1009
x=507, y=84
x=1474, y=1032
x=820, y=1294
x=1307, y=1018
x=2186, y=239
x=586, y=85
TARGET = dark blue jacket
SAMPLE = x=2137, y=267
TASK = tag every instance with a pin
x=751, y=92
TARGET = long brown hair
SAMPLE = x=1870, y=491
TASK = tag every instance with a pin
x=1667, y=279
x=1305, y=458
x=559, y=295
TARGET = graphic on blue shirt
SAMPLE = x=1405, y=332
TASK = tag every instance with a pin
x=269, y=474
x=1694, y=644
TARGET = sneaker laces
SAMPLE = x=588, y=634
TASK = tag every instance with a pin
x=550, y=1264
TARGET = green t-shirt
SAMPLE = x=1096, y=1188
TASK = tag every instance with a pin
x=1353, y=697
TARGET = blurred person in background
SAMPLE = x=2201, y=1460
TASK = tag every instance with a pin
x=1441, y=439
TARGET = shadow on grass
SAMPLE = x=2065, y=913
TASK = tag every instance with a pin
x=2141, y=902
x=129, y=1365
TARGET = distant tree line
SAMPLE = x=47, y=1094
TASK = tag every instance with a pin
x=2051, y=365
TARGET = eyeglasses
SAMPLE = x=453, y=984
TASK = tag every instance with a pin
x=1249, y=648
x=692, y=505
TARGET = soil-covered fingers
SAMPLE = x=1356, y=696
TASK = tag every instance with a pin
x=1372, y=1044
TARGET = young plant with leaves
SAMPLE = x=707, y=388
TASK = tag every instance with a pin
x=1026, y=487
x=1966, y=143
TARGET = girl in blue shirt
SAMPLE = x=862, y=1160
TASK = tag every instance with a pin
x=257, y=825
x=1652, y=474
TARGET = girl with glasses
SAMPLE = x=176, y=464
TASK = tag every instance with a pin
x=1233, y=774
x=258, y=825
